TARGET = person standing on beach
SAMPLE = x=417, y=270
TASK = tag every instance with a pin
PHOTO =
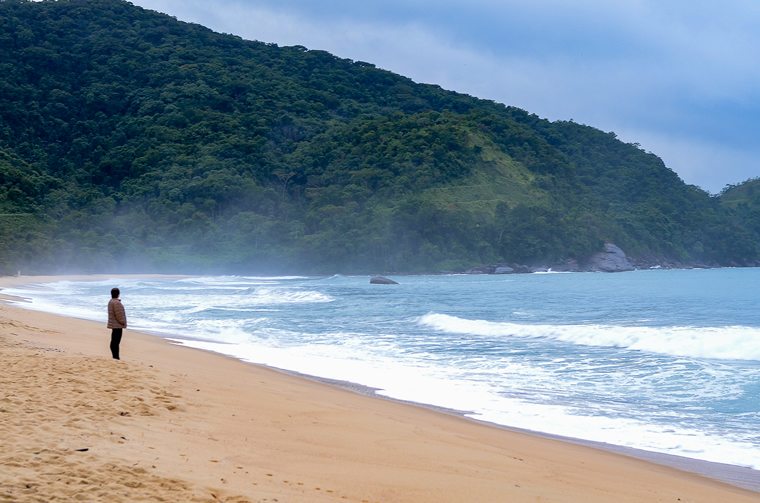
x=117, y=321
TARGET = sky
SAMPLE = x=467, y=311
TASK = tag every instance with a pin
x=679, y=77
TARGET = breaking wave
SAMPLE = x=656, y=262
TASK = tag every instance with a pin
x=725, y=343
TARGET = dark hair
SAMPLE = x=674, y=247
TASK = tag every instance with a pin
x=115, y=293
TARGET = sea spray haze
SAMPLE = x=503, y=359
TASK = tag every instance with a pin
x=667, y=361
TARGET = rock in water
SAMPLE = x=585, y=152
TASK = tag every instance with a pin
x=612, y=259
x=382, y=280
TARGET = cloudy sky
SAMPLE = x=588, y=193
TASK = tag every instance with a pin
x=680, y=77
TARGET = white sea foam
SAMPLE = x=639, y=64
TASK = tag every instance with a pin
x=207, y=281
x=729, y=342
x=38, y=300
x=284, y=296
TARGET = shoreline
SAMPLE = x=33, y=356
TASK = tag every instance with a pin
x=736, y=475
x=658, y=463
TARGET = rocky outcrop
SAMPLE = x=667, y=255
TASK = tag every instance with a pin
x=481, y=269
x=499, y=269
x=569, y=265
x=381, y=280
x=611, y=259
x=503, y=269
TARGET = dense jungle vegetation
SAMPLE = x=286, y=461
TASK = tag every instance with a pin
x=132, y=141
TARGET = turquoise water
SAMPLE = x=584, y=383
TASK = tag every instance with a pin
x=667, y=361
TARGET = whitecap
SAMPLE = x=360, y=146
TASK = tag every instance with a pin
x=728, y=342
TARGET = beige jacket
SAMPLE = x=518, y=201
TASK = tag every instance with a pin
x=117, y=318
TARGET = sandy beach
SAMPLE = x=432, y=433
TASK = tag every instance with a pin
x=170, y=423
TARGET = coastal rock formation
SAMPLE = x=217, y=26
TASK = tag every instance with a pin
x=503, y=269
x=499, y=269
x=569, y=265
x=611, y=259
x=382, y=280
x=481, y=269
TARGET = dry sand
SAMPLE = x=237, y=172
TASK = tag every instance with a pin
x=169, y=423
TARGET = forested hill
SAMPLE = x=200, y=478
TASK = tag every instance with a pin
x=132, y=141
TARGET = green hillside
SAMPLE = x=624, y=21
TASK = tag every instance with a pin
x=132, y=141
x=742, y=204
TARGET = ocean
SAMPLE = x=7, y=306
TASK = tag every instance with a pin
x=666, y=361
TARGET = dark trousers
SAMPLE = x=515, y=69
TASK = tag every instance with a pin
x=115, y=340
